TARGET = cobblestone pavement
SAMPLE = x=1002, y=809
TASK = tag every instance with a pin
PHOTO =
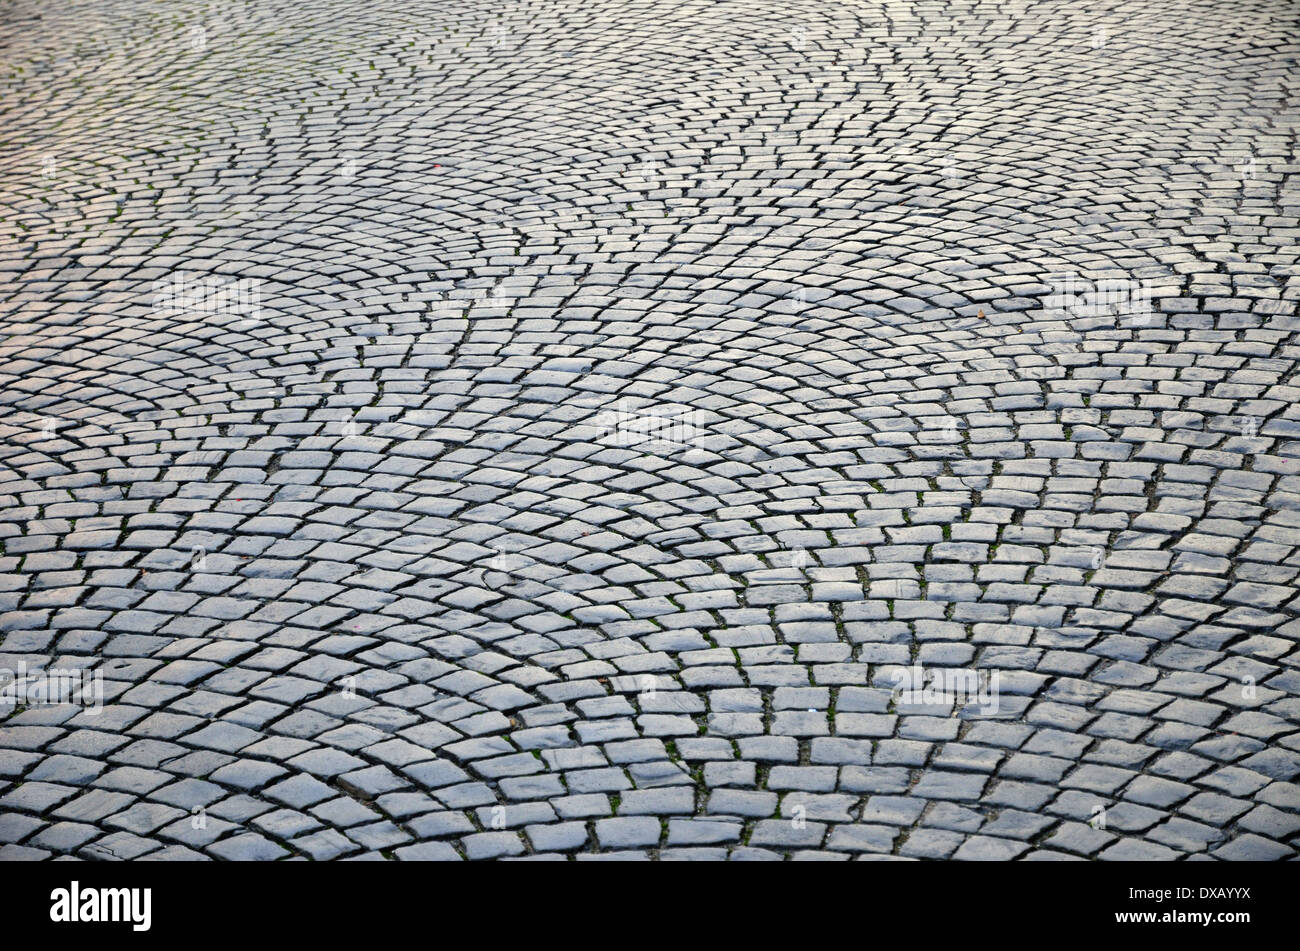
x=589, y=428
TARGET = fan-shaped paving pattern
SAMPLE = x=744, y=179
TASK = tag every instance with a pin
x=377, y=572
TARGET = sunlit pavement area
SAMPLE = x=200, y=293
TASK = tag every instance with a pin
x=632, y=429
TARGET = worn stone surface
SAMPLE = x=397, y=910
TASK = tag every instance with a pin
x=573, y=415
